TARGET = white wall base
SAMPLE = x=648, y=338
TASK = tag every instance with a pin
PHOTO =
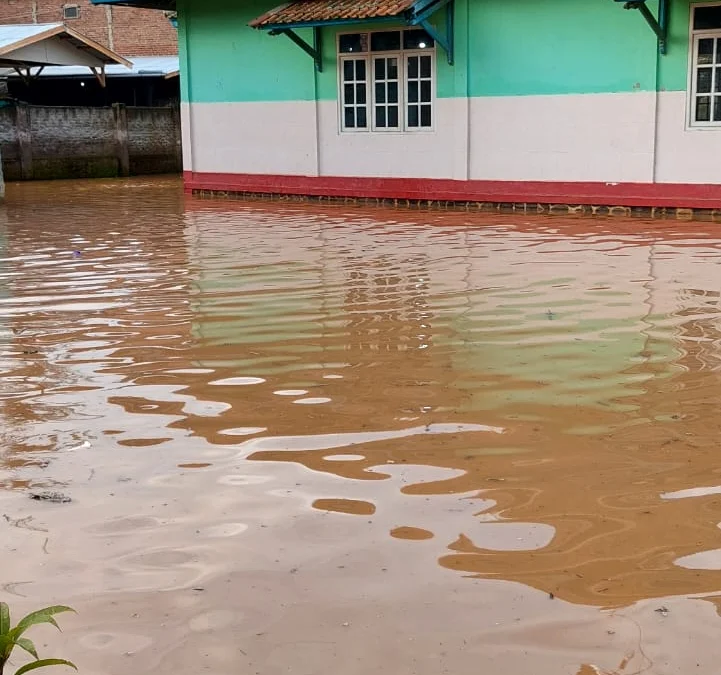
x=611, y=138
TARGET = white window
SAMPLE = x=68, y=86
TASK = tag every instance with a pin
x=387, y=81
x=705, y=86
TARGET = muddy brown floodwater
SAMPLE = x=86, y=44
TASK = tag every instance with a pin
x=333, y=440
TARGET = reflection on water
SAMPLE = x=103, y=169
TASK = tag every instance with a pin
x=531, y=401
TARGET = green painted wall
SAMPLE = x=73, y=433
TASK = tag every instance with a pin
x=673, y=67
x=522, y=47
x=503, y=48
x=228, y=61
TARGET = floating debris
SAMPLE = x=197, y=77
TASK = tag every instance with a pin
x=47, y=496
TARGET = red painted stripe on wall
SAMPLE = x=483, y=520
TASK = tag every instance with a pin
x=670, y=195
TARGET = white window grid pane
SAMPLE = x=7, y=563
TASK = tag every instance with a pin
x=425, y=108
x=419, y=90
x=706, y=104
x=356, y=82
x=388, y=106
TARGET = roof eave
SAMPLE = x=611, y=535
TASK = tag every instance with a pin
x=167, y=5
x=331, y=22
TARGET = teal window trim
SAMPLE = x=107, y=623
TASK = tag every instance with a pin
x=421, y=19
x=658, y=26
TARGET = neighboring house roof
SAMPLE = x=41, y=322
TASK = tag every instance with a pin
x=306, y=11
x=149, y=4
x=27, y=45
x=139, y=66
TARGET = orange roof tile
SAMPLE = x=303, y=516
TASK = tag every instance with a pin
x=303, y=11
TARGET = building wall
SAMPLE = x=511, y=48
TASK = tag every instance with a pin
x=130, y=32
x=558, y=91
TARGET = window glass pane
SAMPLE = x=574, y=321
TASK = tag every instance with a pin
x=360, y=70
x=717, y=108
x=380, y=116
x=426, y=91
x=360, y=94
x=425, y=116
x=347, y=70
x=705, y=18
x=348, y=117
x=348, y=91
x=718, y=50
x=717, y=80
x=703, y=80
x=705, y=51
x=380, y=92
x=380, y=69
x=362, y=118
x=393, y=92
x=413, y=67
x=412, y=92
x=386, y=41
x=703, y=109
x=425, y=66
x=393, y=116
x=413, y=116
x=392, y=69
x=417, y=39
x=348, y=44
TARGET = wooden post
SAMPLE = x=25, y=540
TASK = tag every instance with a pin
x=120, y=115
x=25, y=140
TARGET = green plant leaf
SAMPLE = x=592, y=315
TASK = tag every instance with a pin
x=42, y=663
x=28, y=646
x=4, y=618
x=6, y=646
x=41, y=616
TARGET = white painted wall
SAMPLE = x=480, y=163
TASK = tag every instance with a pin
x=252, y=138
x=440, y=153
x=685, y=155
x=186, y=125
x=588, y=137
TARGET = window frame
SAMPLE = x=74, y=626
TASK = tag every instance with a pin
x=401, y=55
x=341, y=104
x=74, y=8
x=691, y=94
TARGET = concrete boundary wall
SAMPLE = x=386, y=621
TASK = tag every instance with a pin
x=44, y=142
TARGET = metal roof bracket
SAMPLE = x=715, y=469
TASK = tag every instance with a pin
x=658, y=26
x=315, y=51
x=422, y=12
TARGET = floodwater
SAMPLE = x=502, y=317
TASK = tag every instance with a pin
x=338, y=440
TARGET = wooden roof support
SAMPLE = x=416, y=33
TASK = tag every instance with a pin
x=99, y=73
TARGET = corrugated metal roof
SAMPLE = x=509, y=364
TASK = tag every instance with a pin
x=14, y=33
x=302, y=11
x=140, y=66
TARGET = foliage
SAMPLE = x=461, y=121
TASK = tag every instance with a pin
x=12, y=636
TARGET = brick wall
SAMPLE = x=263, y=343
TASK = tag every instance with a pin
x=78, y=142
x=129, y=32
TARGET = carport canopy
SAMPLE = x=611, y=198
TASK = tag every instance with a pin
x=26, y=46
